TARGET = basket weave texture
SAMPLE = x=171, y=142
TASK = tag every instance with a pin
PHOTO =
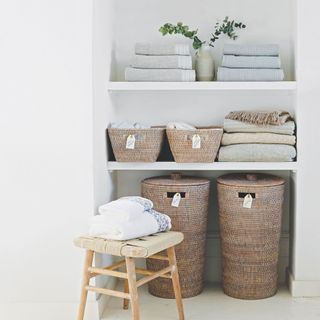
x=190, y=218
x=250, y=236
x=148, y=144
x=181, y=144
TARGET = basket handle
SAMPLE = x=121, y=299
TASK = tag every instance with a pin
x=242, y=195
x=170, y=195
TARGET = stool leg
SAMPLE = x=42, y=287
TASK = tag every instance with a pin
x=175, y=281
x=85, y=282
x=133, y=291
x=126, y=290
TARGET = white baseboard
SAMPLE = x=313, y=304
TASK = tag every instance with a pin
x=47, y=311
x=302, y=288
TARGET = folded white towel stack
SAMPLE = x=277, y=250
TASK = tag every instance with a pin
x=156, y=62
x=250, y=63
x=128, y=218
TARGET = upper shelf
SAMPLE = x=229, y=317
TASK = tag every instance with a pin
x=289, y=86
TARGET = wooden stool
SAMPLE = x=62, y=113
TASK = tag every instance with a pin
x=145, y=247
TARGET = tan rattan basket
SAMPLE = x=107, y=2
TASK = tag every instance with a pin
x=181, y=144
x=250, y=236
x=148, y=144
x=190, y=217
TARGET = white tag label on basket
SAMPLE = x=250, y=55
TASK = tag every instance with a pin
x=247, y=201
x=176, y=200
x=131, y=140
x=196, y=142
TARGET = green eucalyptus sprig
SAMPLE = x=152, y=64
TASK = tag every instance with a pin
x=228, y=27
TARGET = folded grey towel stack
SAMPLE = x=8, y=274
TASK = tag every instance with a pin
x=161, y=62
x=250, y=63
x=247, y=138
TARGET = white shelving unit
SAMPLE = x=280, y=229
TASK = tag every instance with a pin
x=283, y=86
x=216, y=166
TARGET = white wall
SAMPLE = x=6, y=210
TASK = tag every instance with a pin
x=46, y=163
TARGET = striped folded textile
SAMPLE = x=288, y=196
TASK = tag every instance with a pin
x=162, y=49
x=251, y=62
x=229, y=74
x=165, y=75
x=161, y=62
x=251, y=50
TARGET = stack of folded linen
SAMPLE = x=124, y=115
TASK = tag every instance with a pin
x=250, y=63
x=258, y=137
x=161, y=62
x=128, y=218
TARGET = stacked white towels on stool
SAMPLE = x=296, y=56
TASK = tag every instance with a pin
x=258, y=137
x=250, y=63
x=161, y=62
x=128, y=218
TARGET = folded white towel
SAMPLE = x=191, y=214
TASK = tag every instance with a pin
x=128, y=125
x=110, y=227
x=162, y=49
x=257, y=153
x=251, y=62
x=180, y=126
x=239, y=126
x=161, y=62
x=251, y=50
x=166, y=75
x=232, y=74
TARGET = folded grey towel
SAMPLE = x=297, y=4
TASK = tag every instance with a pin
x=239, y=126
x=251, y=50
x=228, y=74
x=251, y=62
x=266, y=138
x=257, y=153
x=133, y=74
x=162, y=62
x=162, y=49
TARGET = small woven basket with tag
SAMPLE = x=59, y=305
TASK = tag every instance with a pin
x=136, y=145
x=199, y=145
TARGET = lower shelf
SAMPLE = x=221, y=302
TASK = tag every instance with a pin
x=216, y=166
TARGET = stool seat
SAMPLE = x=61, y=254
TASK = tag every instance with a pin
x=143, y=247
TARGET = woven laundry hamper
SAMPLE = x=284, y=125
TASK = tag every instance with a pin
x=250, y=211
x=190, y=217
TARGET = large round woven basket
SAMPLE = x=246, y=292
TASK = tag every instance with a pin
x=190, y=217
x=148, y=144
x=183, y=149
x=250, y=233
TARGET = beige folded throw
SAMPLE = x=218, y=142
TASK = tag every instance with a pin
x=260, y=117
x=272, y=138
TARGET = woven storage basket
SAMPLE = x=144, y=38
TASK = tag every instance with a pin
x=250, y=236
x=181, y=144
x=148, y=144
x=190, y=217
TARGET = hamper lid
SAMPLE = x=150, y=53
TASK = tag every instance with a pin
x=176, y=179
x=250, y=179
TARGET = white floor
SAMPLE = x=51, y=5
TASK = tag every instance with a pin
x=214, y=305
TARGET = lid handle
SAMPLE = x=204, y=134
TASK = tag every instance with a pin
x=251, y=177
x=175, y=175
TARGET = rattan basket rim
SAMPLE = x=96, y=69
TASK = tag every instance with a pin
x=198, y=128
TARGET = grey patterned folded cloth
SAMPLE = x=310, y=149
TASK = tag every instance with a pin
x=164, y=75
x=162, y=49
x=251, y=62
x=276, y=117
x=266, y=138
x=232, y=74
x=257, y=153
x=162, y=62
x=239, y=126
x=251, y=50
